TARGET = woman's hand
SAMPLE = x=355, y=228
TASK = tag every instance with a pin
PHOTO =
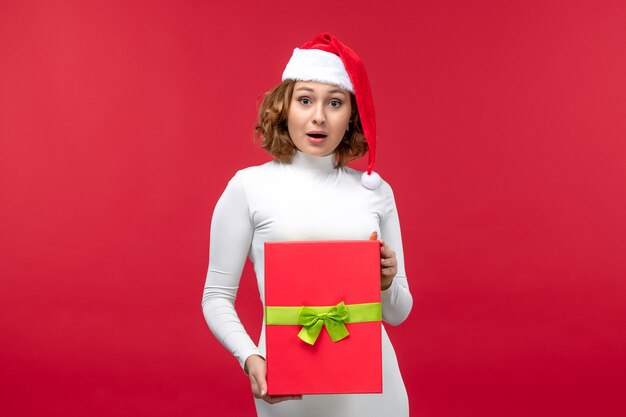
x=388, y=263
x=256, y=369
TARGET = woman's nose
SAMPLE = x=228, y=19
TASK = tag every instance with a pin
x=318, y=116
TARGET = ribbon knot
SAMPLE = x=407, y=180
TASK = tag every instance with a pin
x=312, y=322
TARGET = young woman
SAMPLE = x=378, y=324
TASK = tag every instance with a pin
x=320, y=117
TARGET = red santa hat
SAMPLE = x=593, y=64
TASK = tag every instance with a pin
x=326, y=60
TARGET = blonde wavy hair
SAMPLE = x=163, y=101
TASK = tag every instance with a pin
x=274, y=136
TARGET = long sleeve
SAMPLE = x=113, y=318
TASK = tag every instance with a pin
x=231, y=235
x=396, y=300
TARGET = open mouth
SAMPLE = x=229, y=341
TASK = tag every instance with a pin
x=316, y=135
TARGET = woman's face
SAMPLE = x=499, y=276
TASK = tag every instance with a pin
x=318, y=117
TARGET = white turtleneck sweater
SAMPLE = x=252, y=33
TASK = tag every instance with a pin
x=308, y=199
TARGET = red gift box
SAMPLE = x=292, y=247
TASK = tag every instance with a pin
x=323, y=274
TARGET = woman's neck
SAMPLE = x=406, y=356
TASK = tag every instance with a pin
x=314, y=163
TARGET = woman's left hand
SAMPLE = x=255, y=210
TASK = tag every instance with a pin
x=388, y=263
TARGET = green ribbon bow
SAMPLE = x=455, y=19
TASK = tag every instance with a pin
x=313, y=318
x=312, y=323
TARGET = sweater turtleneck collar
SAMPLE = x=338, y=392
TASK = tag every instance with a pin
x=314, y=163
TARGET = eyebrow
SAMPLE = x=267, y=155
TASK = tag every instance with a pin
x=312, y=91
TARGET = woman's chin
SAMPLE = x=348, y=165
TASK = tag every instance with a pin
x=311, y=149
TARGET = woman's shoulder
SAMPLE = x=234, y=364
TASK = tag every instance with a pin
x=257, y=169
x=255, y=172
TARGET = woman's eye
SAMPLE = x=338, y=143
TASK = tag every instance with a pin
x=304, y=100
x=335, y=103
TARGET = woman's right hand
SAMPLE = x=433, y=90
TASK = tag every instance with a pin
x=257, y=371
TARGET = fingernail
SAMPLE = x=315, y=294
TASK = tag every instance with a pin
x=262, y=392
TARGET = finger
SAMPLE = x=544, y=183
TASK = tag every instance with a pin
x=260, y=382
x=387, y=252
x=389, y=272
x=384, y=248
x=392, y=261
x=255, y=388
x=273, y=399
x=373, y=236
x=387, y=262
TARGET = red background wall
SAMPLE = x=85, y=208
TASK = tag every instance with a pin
x=502, y=128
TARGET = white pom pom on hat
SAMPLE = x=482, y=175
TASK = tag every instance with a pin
x=325, y=59
x=371, y=180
